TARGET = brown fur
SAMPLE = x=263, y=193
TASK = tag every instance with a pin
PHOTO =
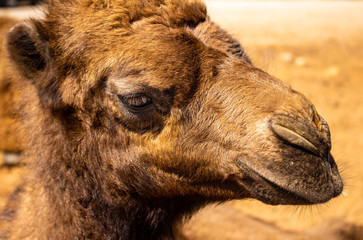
x=141, y=112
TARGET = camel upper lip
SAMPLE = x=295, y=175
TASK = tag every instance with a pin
x=301, y=134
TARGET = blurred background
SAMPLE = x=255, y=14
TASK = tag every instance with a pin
x=15, y=3
x=317, y=48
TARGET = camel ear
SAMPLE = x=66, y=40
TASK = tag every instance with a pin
x=28, y=50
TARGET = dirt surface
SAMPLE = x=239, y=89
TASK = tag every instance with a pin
x=317, y=47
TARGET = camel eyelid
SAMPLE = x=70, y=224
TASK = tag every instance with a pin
x=136, y=102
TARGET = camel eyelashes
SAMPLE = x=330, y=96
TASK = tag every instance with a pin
x=136, y=102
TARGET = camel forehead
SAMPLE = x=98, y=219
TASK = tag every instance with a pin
x=159, y=57
x=75, y=28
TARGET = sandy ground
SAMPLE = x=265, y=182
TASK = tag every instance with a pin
x=317, y=47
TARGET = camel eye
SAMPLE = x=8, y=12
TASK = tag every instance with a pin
x=138, y=102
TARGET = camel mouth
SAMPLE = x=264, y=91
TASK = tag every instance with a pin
x=311, y=179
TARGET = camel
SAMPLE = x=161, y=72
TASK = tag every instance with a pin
x=141, y=112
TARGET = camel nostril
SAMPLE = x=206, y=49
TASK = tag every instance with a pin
x=301, y=134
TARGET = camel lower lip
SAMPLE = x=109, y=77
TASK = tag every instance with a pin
x=284, y=196
x=289, y=196
x=281, y=194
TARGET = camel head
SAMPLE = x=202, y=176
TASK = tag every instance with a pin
x=167, y=105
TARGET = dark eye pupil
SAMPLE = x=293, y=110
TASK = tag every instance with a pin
x=138, y=102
